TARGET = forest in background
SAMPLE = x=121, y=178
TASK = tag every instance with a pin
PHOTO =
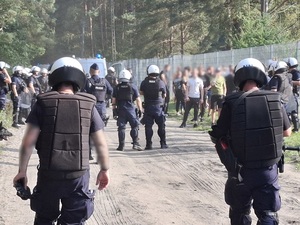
x=40, y=31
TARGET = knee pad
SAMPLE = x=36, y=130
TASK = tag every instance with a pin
x=267, y=216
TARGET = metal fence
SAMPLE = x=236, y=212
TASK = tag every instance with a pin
x=216, y=59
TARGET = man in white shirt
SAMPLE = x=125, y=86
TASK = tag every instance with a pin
x=193, y=97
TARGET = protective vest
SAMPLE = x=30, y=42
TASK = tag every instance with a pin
x=295, y=74
x=256, y=132
x=98, y=89
x=152, y=92
x=124, y=92
x=111, y=80
x=63, y=143
x=284, y=87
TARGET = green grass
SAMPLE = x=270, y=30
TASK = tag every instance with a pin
x=6, y=116
x=203, y=126
x=292, y=156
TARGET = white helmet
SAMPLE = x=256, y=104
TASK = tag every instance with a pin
x=35, y=69
x=112, y=69
x=18, y=69
x=250, y=69
x=4, y=65
x=279, y=66
x=153, y=70
x=124, y=75
x=291, y=62
x=27, y=72
x=44, y=71
x=270, y=65
x=67, y=69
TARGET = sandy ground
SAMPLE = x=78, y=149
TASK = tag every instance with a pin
x=181, y=185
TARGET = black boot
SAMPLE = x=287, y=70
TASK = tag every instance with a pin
x=163, y=145
x=15, y=121
x=148, y=146
x=182, y=125
x=121, y=147
x=20, y=117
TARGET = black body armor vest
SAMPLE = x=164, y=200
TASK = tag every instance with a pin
x=124, y=92
x=112, y=80
x=284, y=87
x=98, y=89
x=63, y=143
x=295, y=73
x=152, y=91
x=256, y=129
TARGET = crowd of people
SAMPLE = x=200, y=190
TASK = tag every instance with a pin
x=204, y=90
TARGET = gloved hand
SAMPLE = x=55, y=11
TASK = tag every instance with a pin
x=22, y=192
x=34, y=95
x=140, y=113
x=115, y=113
x=16, y=98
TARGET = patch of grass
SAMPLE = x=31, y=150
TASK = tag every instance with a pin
x=6, y=116
x=293, y=156
x=203, y=126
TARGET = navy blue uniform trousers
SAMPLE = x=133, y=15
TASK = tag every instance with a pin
x=76, y=200
x=258, y=185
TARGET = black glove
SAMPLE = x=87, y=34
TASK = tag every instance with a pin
x=21, y=191
x=34, y=95
x=115, y=113
x=140, y=113
x=16, y=98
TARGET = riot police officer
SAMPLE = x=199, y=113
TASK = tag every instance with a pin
x=154, y=91
x=34, y=84
x=43, y=80
x=293, y=64
x=113, y=81
x=59, y=126
x=99, y=87
x=248, y=137
x=280, y=82
x=17, y=86
x=5, y=80
x=125, y=111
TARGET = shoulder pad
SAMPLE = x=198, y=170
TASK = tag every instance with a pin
x=47, y=94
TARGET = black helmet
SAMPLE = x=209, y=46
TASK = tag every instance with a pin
x=250, y=69
x=66, y=69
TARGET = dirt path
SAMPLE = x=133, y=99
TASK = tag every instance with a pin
x=181, y=185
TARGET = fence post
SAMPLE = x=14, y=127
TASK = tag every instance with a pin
x=297, y=50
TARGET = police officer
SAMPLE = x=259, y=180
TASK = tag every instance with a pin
x=98, y=87
x=125, y=111
x=293, y=64
x=280, y=82
x=34, y=84
x=154, y=91
x=59, y=126
x=248, y=137
x=43, y=80
x=112, y=80
x=5, y=80
x=17, y=86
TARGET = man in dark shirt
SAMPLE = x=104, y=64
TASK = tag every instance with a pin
x=229, y=79
x=59, y=126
